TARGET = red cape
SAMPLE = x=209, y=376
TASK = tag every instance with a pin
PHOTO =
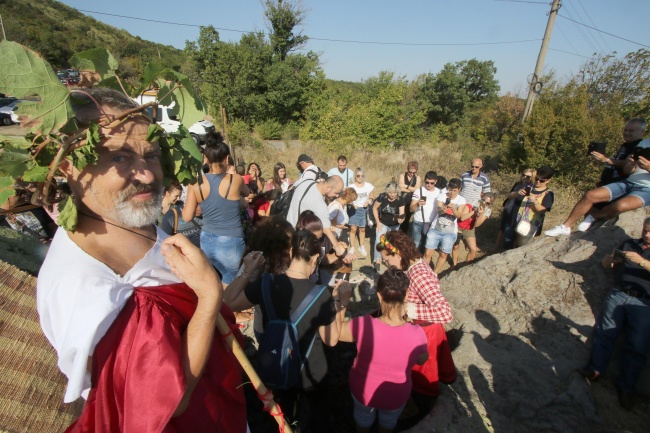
x=138, y=378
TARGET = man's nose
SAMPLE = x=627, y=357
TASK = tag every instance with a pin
x=144, y=171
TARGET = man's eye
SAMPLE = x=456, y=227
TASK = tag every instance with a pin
x=118, y=158
x=153, y=157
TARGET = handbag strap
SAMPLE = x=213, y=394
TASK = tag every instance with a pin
x=421, y=207
x=175, y=220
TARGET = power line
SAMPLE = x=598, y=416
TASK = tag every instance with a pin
x=607, y=33
x=594, y=24
x=522, y=1
x=567, y=40
x=324, y=39
x=587, y=31
x=569, y=52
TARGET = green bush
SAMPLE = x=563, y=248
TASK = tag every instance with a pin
x=269, y=130
x=240, y=134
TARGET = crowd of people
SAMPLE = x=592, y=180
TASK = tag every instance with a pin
x=138, y=291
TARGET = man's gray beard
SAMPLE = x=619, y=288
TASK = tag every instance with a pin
x=137, y=214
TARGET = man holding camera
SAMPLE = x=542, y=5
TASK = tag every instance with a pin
x=627, y=194
x=632, y=136
x=627, y=306
x=423, y=208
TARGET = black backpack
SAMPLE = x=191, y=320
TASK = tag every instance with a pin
x=281, y=206
x=278, y=360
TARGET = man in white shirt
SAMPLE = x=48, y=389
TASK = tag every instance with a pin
x=307, y=168
x=342, y=171
x=423, y=208
x=112, y=262
x=442, y=236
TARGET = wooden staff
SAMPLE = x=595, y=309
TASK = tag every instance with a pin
x=262, y=390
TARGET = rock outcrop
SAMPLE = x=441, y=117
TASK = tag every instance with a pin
x=523, y=323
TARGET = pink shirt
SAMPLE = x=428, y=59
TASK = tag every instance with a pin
x=381, y=374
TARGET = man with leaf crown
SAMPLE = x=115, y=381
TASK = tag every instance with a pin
x=130, y=312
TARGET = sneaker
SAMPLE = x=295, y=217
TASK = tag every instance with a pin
x=350, y=250
x=584, y=225
x=363, y=252
x=589, y=374
x=558, y=230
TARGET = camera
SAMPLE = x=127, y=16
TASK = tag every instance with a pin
x=447, y=201
x=641, y=151
x=618, y=256
x=424, y=199
x=597, y=146
x=528, y=189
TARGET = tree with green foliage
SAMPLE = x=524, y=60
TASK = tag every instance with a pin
x=457, y=88
x=283, y=16
x=623, y=82
x=252, y=84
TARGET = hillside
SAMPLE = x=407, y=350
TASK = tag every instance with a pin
x=58, y=31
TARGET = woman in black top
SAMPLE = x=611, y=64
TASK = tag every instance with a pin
x=506, y=236
x=307, y=401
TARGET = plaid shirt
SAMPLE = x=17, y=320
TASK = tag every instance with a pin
x=424, y=300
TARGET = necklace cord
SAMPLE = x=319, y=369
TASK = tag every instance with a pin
x=115, y=225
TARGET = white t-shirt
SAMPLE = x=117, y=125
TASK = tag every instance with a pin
x=339, y=215
x=430, y=211
x=363, y=193
x=447, y=223
x=347, y=173
x=78, y=298
x=313, y=200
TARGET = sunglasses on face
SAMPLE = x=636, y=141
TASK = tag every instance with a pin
x=431, y=183
x=359, y=175
x=412, y=172
x=541, y=180
x=527, y=176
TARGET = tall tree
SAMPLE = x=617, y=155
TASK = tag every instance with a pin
x=283, y=17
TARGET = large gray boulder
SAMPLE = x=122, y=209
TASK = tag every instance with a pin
x=524, y=319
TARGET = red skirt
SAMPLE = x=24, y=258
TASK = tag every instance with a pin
x=440, y=365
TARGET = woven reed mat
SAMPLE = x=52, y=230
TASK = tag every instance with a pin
x=31, y=385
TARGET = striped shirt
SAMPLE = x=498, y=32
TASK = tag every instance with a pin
x=474, y=187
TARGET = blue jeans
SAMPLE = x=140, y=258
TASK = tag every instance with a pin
x=224, y=252
x=365, y=416
x=621, y=311
x=416, y=234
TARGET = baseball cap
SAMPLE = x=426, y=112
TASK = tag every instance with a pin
x=304, y=158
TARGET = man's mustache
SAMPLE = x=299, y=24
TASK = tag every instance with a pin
x=131, y=190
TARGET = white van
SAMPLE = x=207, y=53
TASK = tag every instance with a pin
x=169, y=122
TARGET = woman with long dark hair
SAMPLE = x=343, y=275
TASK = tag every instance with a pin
x=280, y=181
x=222, y=237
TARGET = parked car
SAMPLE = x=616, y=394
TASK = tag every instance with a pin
x=11, y=110
x=5, y=119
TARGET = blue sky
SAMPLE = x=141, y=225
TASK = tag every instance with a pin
x=409, y=22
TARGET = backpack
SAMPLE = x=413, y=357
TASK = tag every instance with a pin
x=278, y=360
x=281, y=206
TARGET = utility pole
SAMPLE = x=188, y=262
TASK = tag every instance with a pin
x=536, y=85
x=4, y=37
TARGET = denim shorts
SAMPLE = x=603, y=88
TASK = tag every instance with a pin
x=224, y=252
x=358, y=216
x=444, y=240
x=364, y=416
x=627, y=188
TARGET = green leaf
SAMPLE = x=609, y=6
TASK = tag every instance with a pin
x=189, y=108
x=188, y=144
x=36, y=174
x=6, y=188
x=114, y=83
x=96, y=60
x=23, y=73
x=67, y=214
x=15, y=142
x=14, y=162
x=147, y=78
